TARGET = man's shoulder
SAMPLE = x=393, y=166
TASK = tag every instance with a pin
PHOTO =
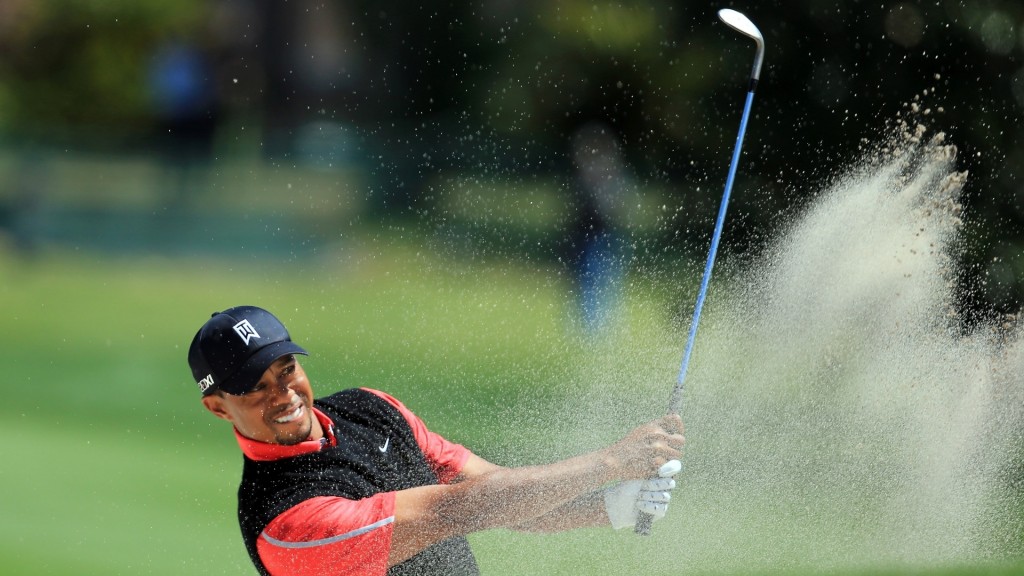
x=359, y=400
x=361, y=393
x=347, y=392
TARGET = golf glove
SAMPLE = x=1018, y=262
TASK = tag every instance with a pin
x=625, y=500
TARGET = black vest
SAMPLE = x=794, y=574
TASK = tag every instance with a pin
x=356, y=468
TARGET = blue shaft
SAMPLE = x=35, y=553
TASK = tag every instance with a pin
x=677, y=392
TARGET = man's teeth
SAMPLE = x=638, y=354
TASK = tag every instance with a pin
x=291, y=415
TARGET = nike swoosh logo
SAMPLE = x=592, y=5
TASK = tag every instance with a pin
x=384, y=448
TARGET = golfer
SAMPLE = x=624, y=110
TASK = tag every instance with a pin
x=355, y=483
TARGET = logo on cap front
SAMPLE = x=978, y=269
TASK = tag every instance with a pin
x=245, y=331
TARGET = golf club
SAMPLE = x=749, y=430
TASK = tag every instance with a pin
x=743, y=25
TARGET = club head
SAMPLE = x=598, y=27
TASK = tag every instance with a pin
x=740, y=23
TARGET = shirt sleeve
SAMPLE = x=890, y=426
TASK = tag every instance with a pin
x=330, y=535
x=445, y=458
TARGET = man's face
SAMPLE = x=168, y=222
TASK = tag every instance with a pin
x=278, y=410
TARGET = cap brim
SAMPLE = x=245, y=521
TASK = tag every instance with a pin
x=250, y=373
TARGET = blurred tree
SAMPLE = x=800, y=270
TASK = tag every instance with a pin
x=71, y=65
x=670, y=78
x=497, y=88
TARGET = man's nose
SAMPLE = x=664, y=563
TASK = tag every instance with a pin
x=282, y=388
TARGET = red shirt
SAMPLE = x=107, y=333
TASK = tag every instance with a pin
x=335, y=535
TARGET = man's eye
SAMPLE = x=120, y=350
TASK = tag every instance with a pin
x=288, y=370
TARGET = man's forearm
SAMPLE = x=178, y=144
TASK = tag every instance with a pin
x=530, y=497
x=501, y=498
x=513, y=497
x=587, y=511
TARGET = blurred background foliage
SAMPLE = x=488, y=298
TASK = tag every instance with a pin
x=363, y=113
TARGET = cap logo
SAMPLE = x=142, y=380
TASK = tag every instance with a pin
x=245, y=331
x=205, y=383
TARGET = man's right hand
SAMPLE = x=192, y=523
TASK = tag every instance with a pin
x=646, y=448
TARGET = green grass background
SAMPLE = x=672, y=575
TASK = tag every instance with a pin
x=112, y=467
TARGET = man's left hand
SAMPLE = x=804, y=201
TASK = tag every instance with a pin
x=625, y=500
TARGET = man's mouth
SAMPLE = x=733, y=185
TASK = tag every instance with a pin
x=296, y=409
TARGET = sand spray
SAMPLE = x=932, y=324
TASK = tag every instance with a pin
x=839, y=415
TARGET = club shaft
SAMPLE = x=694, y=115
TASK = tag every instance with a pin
x=675, y=401
x=644, y=520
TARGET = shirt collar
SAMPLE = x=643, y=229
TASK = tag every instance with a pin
x=264, y=451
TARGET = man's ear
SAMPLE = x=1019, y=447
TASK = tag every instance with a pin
x=214, y=403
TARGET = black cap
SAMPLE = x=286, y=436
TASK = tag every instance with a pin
x=235, y=347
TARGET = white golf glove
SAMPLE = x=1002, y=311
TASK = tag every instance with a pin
x=625, y=500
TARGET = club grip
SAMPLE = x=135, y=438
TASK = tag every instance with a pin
x=643, y=524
